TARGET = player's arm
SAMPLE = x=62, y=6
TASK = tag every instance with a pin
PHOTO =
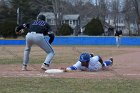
x=71, y=68
x=20, y=28
x=116, y=33
x=74, y=67
x=101, y=60
x=52, y=36
x=120, y=33
x=50, y=33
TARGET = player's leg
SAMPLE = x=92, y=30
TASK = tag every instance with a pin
x=101, y=60
x=117, y=40
x=44, y=44
x=27, y=50
x=108, y=62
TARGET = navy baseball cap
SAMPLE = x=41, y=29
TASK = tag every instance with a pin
x=41, y=17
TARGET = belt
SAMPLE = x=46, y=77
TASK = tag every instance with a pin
x=36, y=32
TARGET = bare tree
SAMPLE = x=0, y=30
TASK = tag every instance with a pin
x=128, y=10
x=137, y=10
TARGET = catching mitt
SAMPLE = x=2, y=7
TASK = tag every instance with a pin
x=20, y=32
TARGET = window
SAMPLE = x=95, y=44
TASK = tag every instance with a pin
x=74, y=22
x=49, y=21
x=70, y=22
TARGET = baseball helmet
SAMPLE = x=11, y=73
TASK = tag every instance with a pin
x=84, y=57
x=41, y=17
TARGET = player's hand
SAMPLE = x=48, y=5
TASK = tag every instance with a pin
x=64, y=69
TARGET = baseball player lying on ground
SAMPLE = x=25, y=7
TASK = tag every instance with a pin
x=89, y=62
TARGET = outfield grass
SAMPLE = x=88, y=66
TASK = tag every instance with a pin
x=63, y=54
x=62, y=85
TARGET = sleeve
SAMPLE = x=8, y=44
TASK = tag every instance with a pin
x=50, y=33
x=23, y=26
x=116, y=33
x=98, y=58
x=52, y=36
x=47, y=29
x=27, y=26
x=76, y=66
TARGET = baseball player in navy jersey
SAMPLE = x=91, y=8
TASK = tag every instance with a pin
x=89, y=62
x=37, y=30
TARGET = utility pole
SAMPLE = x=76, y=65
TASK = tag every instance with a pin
x=18, y=17
x=55, y=8
x=57, y=13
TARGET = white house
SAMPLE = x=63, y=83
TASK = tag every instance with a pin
x=50, y=17
x=119, y=23
x=73, y=20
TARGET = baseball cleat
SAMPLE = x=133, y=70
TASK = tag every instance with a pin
x=111, y=59
x=45, y=67
x=24, y=68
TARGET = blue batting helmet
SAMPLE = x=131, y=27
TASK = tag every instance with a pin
x=84, y=57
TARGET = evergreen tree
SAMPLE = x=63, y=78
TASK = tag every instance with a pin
x=64, y=30
x=94, y=27
x=27, y=12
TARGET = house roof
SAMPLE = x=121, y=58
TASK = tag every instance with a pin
x=71, y=17
x=49, y=15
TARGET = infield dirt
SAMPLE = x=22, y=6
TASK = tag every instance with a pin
x=126, y=62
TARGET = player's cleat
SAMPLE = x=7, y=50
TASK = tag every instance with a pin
x=24, y=68
x=111, y=59
x=45, y=66
x=118, y=45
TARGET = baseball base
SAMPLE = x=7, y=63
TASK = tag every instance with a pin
x=54, y=71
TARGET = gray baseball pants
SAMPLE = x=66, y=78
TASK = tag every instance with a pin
x=37, y=39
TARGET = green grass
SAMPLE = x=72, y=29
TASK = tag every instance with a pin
x=63, y=54
x=62, y=85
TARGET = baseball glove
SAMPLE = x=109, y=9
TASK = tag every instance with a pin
x=20, y=32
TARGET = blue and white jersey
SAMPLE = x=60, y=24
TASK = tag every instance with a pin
x=94, y=65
